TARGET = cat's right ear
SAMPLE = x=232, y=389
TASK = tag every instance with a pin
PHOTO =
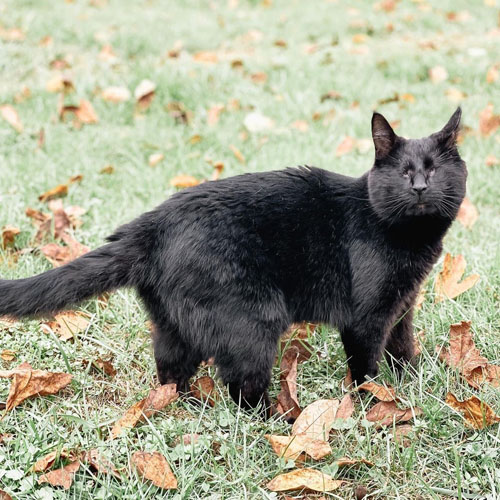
x=383, y=136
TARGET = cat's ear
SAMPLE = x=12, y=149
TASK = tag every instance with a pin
x=448, y=134
x=383, y=136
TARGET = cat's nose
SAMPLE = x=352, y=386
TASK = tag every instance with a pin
x=419, y=184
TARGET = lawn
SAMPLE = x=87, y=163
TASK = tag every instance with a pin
x=316, y=70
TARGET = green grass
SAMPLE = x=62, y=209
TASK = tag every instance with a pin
x=234, y=460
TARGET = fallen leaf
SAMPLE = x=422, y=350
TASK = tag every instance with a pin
x=203, y=389
x=85, y=112
x=205, y=56
x=61, y=477
x=401, y=433
x=184, y=181
x=257, y=122
x=348, y=462
x=464, y=356
x=237, y=153
x=58, y=192
x=455, y=95
x=386, y=5
x=4, y=495
x=154, y=466
x=9, y=234
x=317, y=419
x=309, y=479
x=116, y=94
x=178, y=112
x=108, y=169
x=477, y=414
x=386, y=413
x=144, y=94
x=105, y=366
x=299, y=331
x=9, y=114
x=345, y=146
x=47, y=461
x=467, y=214
x=359, y=38
x=331, y=94
x=59, y=255
x=288, y=402
x=448, y=283
x=492, y=160
x=303, y=347
x=12, y=34
x=107, y=54
x=189, y=439
x=60, y=83
x=213, y=114
x=67, y=325
x=259, y=77
x=157, y=400
x=488, y=121
x=292, y=447
x=155, y=158
x=218, y=168
x=346, y=407
x=100, y=463
x=438, y=74
x=381, y=392
x=300, y=125
x=492, y=74
x=8, y=355
x=360, y=492
x=27, y=383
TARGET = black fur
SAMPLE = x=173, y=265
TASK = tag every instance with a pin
x=225, y=267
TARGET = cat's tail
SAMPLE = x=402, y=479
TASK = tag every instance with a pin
x=101, y=270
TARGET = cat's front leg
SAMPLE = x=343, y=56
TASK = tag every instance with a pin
x=364, y=342
x=400, y=347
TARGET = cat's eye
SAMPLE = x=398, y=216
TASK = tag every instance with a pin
x=406, y=174
x=431, y=171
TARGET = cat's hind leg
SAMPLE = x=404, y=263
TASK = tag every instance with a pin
x=176, y=362
x=400, y=346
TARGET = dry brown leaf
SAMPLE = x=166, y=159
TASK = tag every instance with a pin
x=61, y=477
x=203, y=389
x=448, y=283
x=188, y=439
x=213, y=114
x=155, y=468
x=387, y=412
x=299, y=331
x=67, y=325
x=108, y=169
x=492, y=74
x=237, y=153
x=60, y=83
x=85, y=112
x=492, y=160
x=438, y=74
x=348, y=462
x=288, y=402
x=184, y=181
x=218, y=168
x=381, y=392
x=205, y=56
x=303, y=347
x=144, y=94
x=8, y=355
x=260, y=77
x=9, y=234
x=105, y=366
x=346, y=407
x=292, y=447
x=6, y=322
x=308, y=479
x=100, y=463
x=4, y=495
x=488, y=121
x=401, y=434
x=157, y=400
x=155, y=158
x=346, y=146
x=317, y=419
x=477, y=414
x=9, y=114
x=300, y=125
x=464, y=356
x=116, y=94
x=59, y=255
x=12, y=34
x=27, y=383
x=47, y=461
x=331, y=94
x=455, y=95
x=467, y=214
x=58, y=192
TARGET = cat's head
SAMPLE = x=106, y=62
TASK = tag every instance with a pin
x=416, y=177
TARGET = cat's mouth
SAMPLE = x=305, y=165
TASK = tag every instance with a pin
x=421, y=208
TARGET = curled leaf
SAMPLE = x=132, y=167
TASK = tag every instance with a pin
x=309, y=479
x=382, y=393
x=292, y=447
x=448, y=284
x=387, y=412
x=317, y=419
x=155, y=468
x=477, y=414
x=61, y=477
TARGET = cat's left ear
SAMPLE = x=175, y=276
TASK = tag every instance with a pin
x=449, y=133
x=383, y=136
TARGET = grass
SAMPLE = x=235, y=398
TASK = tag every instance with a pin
x=233, y=460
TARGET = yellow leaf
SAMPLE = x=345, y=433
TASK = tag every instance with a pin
x=448, y=284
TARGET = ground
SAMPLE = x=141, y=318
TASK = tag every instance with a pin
x=278, y=58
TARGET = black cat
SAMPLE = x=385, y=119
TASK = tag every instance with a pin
x=225, y=267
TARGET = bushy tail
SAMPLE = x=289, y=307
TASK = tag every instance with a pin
x=101, y=270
